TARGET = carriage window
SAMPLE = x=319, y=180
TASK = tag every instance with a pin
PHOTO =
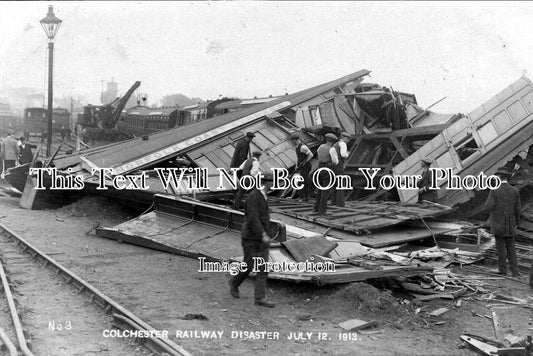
x=466, y=148
x=487, y=133
x=516, y=111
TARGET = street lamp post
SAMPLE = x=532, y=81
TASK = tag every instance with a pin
x=50, y=26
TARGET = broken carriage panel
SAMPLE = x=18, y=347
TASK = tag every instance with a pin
x=213, y=232
x=484, y=140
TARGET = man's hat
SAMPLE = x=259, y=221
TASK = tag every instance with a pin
x=268, y=177
x=10, y=131
x=257, y=153
x=346, y=134
x=294, y=136
x=250, y=134
x=331, y=137
x=427, y=160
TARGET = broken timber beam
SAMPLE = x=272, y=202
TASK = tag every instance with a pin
x=418, y=133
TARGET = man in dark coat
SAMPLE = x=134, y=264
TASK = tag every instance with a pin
x=25, y=154
x=327, y=158
x=242, y=150
x=424, y=191
x=255, y=234
x=303, y=164
x=505, y=211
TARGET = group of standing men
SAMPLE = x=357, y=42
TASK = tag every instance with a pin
x=13, y=151
x=331, y=154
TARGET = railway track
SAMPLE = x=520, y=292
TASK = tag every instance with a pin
x=46, y=309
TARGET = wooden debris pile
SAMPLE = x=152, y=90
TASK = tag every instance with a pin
x=443, y=284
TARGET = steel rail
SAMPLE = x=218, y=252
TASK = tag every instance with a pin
x=9, y=345
x=97, y=297
x=14, y=315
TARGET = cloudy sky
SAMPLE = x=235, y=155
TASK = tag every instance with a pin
x=464, y=51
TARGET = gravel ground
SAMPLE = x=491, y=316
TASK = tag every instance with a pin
x=170, y=294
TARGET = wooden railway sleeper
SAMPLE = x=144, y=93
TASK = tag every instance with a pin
x=107, y=308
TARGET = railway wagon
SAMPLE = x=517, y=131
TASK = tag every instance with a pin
x=142, y=120
x=36, y=121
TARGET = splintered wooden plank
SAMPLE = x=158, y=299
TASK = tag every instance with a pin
x=297, y=209
x=356, y=324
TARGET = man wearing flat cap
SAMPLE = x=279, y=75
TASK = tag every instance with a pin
x=303, y=164
x=255, y=239
x=341, y=147
x=505, y=212
x=9, y=150
x=250, y=167
x=327, y=158
x=242, y=150
x=424, y=184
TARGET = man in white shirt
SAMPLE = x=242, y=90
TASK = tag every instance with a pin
x=341, y=148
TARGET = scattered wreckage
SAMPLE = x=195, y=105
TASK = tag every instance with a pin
x=390, y=132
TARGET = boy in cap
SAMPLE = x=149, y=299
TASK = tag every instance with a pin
x=255, y=235
x=327, y=158
x=25, y=154
x=303, y=163
x=242, y=150
x=505, y=212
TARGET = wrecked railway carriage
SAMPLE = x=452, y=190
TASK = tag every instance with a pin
x=497, y=133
